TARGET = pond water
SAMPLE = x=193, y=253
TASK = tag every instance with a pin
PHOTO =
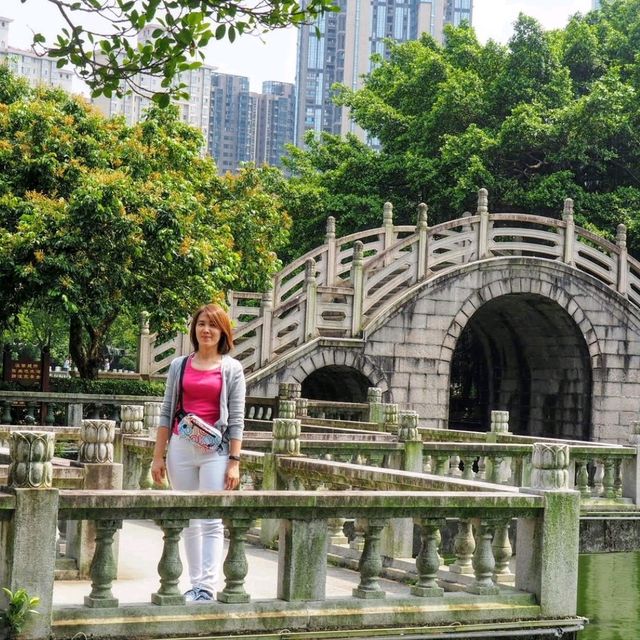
x=609, y=595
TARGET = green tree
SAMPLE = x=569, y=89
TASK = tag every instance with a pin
x=108, y=61
x=552, y=114
x=99, y=220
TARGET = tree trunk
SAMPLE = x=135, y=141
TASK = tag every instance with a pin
x=86, y=347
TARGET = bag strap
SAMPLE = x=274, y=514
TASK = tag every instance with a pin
x=183, y=366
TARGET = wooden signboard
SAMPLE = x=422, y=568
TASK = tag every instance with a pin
x=28, y=372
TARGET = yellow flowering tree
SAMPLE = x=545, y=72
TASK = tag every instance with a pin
x=98, y=219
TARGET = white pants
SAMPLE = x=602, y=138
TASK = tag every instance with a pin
x=192, y=469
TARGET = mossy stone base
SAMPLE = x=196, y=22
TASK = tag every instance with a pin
x=233, y=598
x=100, y=603
x=162, y=600
x=367, y=595
x=427, y=592
x=482, y=590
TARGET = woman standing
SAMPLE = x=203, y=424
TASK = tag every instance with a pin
x=210, y=384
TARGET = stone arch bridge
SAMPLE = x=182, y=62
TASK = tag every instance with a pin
x=490, y=311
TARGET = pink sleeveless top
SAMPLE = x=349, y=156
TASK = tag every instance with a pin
x=201, y=393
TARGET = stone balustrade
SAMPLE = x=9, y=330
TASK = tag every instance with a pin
x=548, y=528
x=78, y=406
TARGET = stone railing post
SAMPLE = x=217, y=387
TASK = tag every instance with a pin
x=357, y=280
x=330, y=240
x=483, y=228
x=569, y=233
x=311, y=309
x=289, y=391
x=286, y=430
x=151, y=417
x=96, y=452
x=422, y=229
x=302, y=560
x=286, y=441
x=547, y=546
x=302, y=407
x=131, y=424
x=266, y=339
x=397, y=537
x=390, y=417
x=144, y=346
x=623, y=263
x=631, y=467
x=30, y=536
x=499, y=422
x=376, y=407
x=387, y=224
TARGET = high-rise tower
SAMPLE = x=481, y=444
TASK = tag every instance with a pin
x=347, y=40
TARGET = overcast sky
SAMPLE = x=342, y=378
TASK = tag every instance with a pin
x=273, y=57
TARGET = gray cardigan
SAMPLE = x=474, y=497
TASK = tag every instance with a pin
x=232, y=394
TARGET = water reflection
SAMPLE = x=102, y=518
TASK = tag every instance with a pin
x=609, y=595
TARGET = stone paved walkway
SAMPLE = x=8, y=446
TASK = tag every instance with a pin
x=141, y=548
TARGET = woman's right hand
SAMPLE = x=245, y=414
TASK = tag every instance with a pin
x=158, y=470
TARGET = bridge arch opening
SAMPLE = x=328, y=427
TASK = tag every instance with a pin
x=525, y=354
x=336, y=382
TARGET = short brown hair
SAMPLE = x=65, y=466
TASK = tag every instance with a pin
x=221, y=320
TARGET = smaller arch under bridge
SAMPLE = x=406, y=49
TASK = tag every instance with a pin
x=489, y=311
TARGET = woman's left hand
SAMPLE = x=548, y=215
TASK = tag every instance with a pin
x=232, y=475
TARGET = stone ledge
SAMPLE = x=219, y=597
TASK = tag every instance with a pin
x=145, y=620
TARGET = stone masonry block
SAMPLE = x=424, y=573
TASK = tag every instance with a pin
x=302, y=560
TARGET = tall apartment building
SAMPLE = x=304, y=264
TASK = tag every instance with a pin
x=275, y=122
x=246, y=126
x=194, y=111
x=37, y=70
x=232, y=121
x=595, y=4
x=347, y=40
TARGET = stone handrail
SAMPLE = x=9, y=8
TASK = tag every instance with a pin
x=548, y=528
x=75, y=403
x=340, y=288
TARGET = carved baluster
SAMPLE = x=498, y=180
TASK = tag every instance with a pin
x=146, y=481
x=609, y=478
x=336, y=531
x=50, y=416
x=496, y=469
x=454, y=467
x=428, y=560
x=441, y=464
x=170, y=565
x=30, y=418
x=502, y=552
x=235, y=565
x=483, y=562
x=370, y=564
x=467, y=462
x=598, y=476
x=482, y=469
x=357, y=543
x=103, y=566
x=582, y=478
x=463, y=546
x=617, y=485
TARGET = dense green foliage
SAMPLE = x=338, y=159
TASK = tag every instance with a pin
x=101, y=221
x=551, y=115
x=178, y=32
